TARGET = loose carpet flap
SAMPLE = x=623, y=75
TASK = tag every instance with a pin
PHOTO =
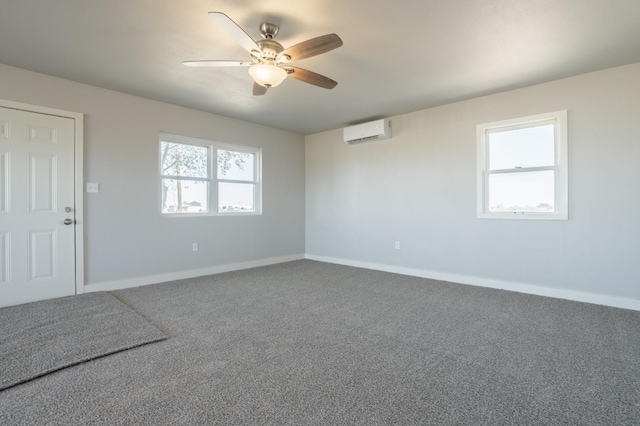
x=42, y=337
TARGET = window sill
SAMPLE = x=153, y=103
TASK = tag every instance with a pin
x=191, y=215
x=524, y=216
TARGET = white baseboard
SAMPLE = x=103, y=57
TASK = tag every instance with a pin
x=172, y=276
x=578, y=296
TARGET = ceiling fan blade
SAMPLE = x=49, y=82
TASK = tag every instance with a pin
x=234, y=31
x=217, y=63
x=310, y=48
x=258, y=90
x=311, y=77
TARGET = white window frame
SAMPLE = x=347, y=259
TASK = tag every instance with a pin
x=212, y=175
x=257, y=181
x=560, y=168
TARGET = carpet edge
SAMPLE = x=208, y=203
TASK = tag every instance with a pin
x=82, y=361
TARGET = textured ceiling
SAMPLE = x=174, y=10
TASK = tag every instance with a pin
x=397, y=56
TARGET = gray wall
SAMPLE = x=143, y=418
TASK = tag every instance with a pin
x=420, y=188
x=125, y=237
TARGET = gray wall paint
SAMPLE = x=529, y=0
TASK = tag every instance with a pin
x=420, y=188
x=125, y=237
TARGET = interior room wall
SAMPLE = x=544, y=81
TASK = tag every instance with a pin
x=419, y=188
x=125, y=236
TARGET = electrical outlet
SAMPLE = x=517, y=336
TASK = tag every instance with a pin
x=194, y=247
x=397, y=245
x=93, y=187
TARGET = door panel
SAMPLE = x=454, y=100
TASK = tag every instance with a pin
x=4, y=181
x=4, y=257
x=41, y=185
x=41, y=254
x=37, y=250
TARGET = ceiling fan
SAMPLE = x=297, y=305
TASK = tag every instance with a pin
x=269, y=60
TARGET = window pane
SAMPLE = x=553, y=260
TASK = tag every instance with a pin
x=236, y=197
x=179, y=159
x=528, y=147
x=236, y=165
x=526, y=191
x=185, y=196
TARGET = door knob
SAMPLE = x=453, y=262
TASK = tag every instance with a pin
x=68, y=221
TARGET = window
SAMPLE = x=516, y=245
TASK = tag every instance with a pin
x=522, y=168
x=201, y=177
x=237, y=179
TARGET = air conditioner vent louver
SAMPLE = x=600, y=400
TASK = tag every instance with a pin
x=360, y=140
x=367, y=132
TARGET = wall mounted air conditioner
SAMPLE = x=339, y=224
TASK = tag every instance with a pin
x=368, y=132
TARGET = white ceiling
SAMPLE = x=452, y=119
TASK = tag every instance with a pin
x=397, y=56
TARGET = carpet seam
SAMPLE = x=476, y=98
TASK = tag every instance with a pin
x=152, y=322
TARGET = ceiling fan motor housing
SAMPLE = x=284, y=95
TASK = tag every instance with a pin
x=270, y=49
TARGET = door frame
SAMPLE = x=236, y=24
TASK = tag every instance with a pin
x=78, y=176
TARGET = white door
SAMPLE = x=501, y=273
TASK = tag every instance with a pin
x=37, y=253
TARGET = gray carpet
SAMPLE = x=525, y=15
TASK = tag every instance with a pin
x=42, y=337
x=313, y=343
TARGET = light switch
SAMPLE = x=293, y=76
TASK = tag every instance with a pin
x=93, y=187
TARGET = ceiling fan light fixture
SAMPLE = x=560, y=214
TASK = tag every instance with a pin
x=267, y=75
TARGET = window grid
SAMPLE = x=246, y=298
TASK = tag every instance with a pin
x=211, y=179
